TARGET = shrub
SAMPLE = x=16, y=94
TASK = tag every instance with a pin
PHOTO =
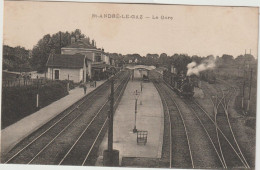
x=72, y=85
x=18, y=102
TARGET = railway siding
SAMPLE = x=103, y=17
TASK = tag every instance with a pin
x=244, y=136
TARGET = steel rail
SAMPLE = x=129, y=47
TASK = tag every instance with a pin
x=210, y=138
x=180, y=113
x=218, y=129
x=216, y=122
x=85, y=130
x=92, y=146
x=215, y=107
x=220, y=148
x=221, y=133
x=243, y=160
x=170, y=123
x=225, y=106
x=56, y=137
x=203, y=128
x=215, y=119
x=76, y=107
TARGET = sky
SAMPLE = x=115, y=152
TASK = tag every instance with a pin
x=192, y=30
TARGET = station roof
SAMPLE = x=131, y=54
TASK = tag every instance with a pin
x=66, y=61
x=140, y=67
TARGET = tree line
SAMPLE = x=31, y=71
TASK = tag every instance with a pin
x=19, y=59
x=16, y=59
x=180, y=61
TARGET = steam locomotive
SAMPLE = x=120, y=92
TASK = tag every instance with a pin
x=181, y=83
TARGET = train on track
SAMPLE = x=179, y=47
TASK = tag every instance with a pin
x=208, y=76
x=181, y=83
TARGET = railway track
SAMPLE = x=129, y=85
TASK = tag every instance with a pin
x=182, y=132
x=231, y=151
x=184, y=155
x=228, y=153
x=74, y=132
x=192, y=143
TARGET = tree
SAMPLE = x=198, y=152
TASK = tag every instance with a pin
x=180, y=62
x=196, y=58
x=77, y=34
x=42, y=50
x=40, y=53
x=227, y=59
x=163, y=59
x=15, y=58
x=151, y=59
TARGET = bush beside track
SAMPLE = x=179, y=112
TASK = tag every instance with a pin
x=19, y=102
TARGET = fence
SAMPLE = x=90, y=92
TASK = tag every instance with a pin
x=23, y=82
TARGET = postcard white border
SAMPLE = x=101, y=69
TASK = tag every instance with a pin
x=252, y=3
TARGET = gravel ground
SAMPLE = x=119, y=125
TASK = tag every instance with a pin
x=245, y=135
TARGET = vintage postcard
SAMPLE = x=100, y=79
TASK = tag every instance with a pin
x=129, y=85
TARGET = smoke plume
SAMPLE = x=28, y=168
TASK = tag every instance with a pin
x=194, y=68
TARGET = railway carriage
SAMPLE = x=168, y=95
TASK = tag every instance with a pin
x=208, y=76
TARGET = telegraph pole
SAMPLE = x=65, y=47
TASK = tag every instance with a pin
x=68, y=84
x=250, y=87
x=244, y=81
x=110, y=118
x=37, y=95
x=52, y=66
x=243, y=92
x=110, y=156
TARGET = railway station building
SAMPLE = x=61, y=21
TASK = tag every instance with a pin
x=80, y=61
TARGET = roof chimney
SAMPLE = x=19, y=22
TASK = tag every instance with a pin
x=93, y=43
x=72, y=40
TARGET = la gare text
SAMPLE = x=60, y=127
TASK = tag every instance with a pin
x=128, y=16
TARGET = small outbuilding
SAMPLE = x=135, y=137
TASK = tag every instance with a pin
x=68, y=67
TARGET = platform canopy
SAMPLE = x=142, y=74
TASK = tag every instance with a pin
x=140, y=67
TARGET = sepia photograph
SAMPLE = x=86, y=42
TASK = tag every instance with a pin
x=129, y=85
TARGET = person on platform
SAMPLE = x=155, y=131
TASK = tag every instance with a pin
x=85, y=88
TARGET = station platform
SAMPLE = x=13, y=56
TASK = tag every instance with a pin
x=14, y=133
x=150, y=118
